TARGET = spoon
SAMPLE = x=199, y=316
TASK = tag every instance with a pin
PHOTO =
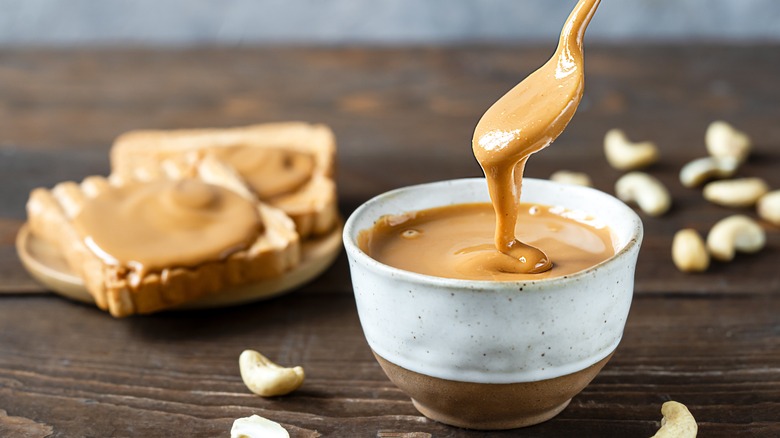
x=525, y=120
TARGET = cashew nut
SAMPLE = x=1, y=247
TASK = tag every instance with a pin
x=723, y=140
x=742, y=192
x=266, y=378
x=769, y=207
x=649, y=193
x=688, y=251
x=735, y=233
x=622, y=154
x=569, y=177
x=701, y=170
x=677, y=422
x=257, y=427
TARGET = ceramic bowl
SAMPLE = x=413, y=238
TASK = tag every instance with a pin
x=494, y=355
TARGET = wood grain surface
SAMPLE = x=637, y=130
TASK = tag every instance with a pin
x=401, y=116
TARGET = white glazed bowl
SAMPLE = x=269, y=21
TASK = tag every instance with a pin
x=532, y=345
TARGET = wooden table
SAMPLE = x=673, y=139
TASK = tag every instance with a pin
x=402, y=116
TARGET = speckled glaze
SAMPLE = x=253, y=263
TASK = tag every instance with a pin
x=494, y=332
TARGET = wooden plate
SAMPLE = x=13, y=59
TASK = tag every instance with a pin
x=44, y=262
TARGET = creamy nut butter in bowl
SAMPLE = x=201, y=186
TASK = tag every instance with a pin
x=495, y=354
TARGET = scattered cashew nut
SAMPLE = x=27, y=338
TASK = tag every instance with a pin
x=622, y=154
x=649, y=193
x=677, y=422
x=698, y=171
x=735, y=233
x=569, y=177
x=266, y=378
x=257, y=427
x=688, y=251
x=742, y=192
x=768, y=207
x=723, y=140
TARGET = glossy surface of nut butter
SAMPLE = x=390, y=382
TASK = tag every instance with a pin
x=525, y=120
x=269, y=172
x=455, y=241
x=155, y=225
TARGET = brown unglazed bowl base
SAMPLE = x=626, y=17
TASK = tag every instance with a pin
x=489, y=406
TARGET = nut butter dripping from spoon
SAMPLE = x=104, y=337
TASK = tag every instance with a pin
x=523, y=121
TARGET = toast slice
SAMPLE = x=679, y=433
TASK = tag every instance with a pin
x=124, y=290
x=287, y=165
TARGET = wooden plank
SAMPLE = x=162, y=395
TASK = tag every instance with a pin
x=180, y=370
x=385, y=104
x=402, y=116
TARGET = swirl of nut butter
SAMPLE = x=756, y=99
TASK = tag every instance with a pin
x=156, y=225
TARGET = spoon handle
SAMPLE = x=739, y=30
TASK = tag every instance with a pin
x=574, y=29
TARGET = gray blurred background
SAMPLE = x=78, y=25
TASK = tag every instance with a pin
x=336, y=22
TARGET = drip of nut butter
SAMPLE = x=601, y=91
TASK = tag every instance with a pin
x=155, y=225
x=525, y=120
x=270, y=172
